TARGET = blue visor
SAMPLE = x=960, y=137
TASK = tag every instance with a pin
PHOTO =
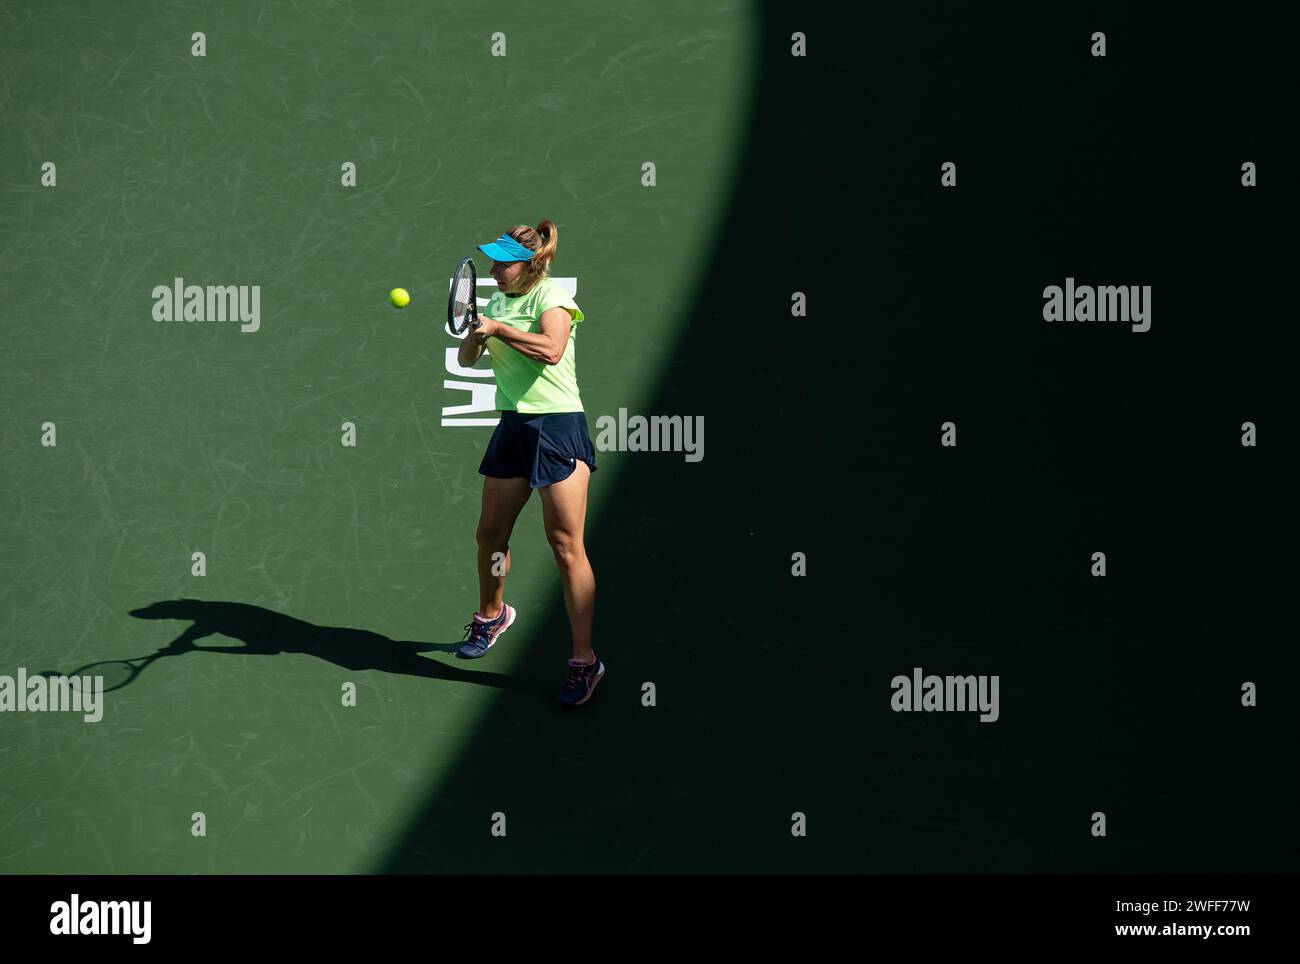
x=506, y=248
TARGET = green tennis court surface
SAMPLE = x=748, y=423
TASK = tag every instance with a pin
x=325, y=564
x=329, y=565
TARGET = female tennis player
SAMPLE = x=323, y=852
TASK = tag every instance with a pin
x=541, y=442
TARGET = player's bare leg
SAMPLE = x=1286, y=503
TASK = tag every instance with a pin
x=564, y=511
x=503, y=500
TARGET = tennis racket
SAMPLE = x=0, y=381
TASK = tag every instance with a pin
x=462, y=303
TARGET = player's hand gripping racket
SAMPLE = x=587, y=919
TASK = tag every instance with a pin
x=462, y=306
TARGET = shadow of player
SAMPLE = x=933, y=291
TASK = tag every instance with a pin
x=264, y=632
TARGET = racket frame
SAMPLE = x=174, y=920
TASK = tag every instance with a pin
x=472, y=315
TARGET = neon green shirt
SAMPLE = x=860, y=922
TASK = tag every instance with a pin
x=524, y=384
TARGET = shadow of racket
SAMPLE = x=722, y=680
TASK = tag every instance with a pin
x=116, y=673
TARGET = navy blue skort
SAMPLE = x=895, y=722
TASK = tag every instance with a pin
x=540, y=448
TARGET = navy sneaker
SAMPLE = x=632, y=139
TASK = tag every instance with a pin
x=582, y=681
x=481, y=634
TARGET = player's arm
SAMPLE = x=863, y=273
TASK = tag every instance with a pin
x=546, y=345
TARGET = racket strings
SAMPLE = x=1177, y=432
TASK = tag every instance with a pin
x=464, y=292
x=462, y=305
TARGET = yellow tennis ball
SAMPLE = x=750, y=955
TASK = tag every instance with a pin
x=399, y=297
